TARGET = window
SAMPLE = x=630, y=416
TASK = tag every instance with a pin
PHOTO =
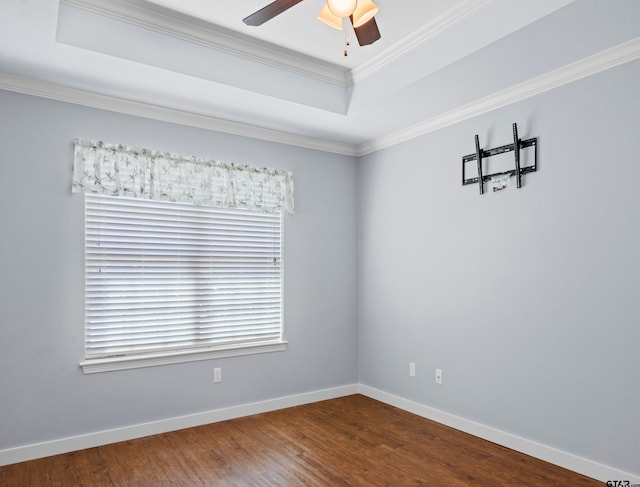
x=170, y=282
x=183, y=256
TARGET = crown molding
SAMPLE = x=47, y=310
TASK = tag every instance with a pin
x=602, y=61
x=181, y=26
x=184, y=27
x=431, y=29
x=76, y=96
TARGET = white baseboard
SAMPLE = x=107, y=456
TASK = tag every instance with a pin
x=557, y=457
x=537, y=450
x=99, y=438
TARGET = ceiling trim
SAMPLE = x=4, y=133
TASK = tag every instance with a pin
x=76, y=96
x=181, y=26
x=602, y=61
x=431, y=29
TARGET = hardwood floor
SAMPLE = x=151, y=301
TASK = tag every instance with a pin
x=350, y=441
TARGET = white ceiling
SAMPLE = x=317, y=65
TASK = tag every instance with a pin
x=195, y=62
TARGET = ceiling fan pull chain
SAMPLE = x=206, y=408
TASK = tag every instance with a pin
x=347, y=43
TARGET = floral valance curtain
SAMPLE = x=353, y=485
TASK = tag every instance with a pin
x=139, y=173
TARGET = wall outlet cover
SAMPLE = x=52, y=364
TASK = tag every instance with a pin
x=217, y=375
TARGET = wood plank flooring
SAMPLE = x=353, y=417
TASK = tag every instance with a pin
x=349, y=441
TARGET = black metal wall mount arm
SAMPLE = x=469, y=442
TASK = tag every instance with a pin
x=518, y=171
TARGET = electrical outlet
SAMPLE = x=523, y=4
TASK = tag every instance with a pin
x=438, y=376
x=412, y=369
x=217, y=375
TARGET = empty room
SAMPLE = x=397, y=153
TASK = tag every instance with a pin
x=281, y=243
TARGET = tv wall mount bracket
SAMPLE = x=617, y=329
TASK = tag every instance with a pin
x=517, y=171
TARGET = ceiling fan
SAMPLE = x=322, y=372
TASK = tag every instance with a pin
x=361, y=13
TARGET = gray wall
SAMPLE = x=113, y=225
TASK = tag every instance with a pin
x=43, y=392
x=527, y=298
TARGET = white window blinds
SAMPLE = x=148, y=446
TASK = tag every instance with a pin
x=173, y=277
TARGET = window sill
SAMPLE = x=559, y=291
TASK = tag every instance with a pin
x=109, y=364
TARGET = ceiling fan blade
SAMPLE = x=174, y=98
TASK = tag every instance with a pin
x=367, y=33
x=269, y=12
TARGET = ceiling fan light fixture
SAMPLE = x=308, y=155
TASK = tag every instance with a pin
x=328, y=18
x=342, y=8
x=365, y=10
